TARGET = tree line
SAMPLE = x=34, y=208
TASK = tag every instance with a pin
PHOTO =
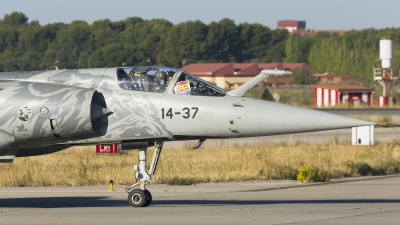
x=27, y=45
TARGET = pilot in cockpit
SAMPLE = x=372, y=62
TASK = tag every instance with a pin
x=141, y=81
x=160, y=82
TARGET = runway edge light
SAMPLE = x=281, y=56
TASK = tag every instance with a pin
x=111, y=183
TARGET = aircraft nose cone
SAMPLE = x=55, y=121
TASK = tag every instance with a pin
x=271, y=118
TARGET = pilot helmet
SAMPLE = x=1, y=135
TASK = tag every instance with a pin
x=161, y=75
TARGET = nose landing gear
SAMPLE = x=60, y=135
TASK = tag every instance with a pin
x=142, y=197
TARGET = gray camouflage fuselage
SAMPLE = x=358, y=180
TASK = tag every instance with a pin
x=47, y=111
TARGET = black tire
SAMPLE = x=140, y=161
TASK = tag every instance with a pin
x=149, y=198
x=137, y=198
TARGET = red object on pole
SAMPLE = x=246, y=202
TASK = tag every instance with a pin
x=329, y=98
x=369, y=99
x=322, y=97
x=351, y=99
x=315, y=97
x=337, y=98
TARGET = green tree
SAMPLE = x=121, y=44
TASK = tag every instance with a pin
x=223, y=41
x=184, y=42
x=14, y=19
x=276, y=47
x=115, y=55
x=103, y=33
x=71, y=41
x=293, y=48
x=255, y=41
x=27, y=45
x=297, y=48
x=302, y=76
x=146, y=34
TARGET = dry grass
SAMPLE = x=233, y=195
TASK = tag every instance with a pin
x=377, y=118
x=219, y=163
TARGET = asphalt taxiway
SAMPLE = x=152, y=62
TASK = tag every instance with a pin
x=370, y=200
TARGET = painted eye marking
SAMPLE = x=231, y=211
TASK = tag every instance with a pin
x=24, y=113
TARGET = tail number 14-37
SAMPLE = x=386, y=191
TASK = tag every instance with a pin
x=185, y=112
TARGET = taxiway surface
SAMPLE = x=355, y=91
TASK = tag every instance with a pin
x=352, y=201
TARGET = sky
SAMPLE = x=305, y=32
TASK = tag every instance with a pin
x=318, y=14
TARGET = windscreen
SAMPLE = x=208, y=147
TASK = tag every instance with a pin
x=158, y=79
x=188, y=84
x=147, y=79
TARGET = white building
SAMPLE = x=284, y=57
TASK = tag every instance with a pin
x=327, y=95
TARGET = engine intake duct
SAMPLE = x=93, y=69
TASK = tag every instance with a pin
x=98, y=111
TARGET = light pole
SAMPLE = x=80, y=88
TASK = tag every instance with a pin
x=5, y=65
x=149, y=61
x=21, y=63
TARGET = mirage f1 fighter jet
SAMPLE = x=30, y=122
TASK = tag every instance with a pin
x=47, y=111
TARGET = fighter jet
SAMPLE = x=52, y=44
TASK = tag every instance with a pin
x=138, y=107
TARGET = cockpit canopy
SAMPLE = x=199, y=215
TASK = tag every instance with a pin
x=159, y=79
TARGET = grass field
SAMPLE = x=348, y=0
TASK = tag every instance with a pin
x=220, y=163
x=378, y=118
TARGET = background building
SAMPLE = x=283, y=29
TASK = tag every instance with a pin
x=299, y=27
x=326, y=95
x=337, y=78
x=292, y=25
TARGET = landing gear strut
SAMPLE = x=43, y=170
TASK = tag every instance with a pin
x=142, y=197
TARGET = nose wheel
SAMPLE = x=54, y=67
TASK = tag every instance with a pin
x=139, y=198
x=142, y=197
x=149, y=198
